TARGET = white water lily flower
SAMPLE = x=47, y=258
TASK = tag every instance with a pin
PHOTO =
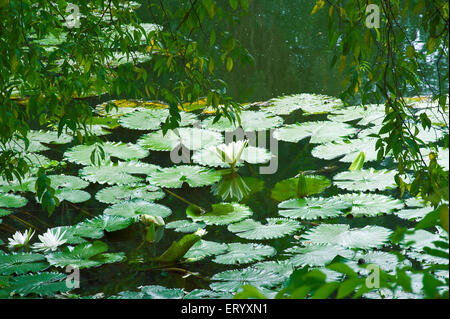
x=50, y=240
x=19, y=239
x=201, y=232
x=231, y=153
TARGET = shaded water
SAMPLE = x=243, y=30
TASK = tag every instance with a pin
x=292, y=56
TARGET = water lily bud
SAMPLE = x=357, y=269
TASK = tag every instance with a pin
x=148, y=219
x=201, y=232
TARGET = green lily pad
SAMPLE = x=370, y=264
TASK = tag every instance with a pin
x=81, y=154
x=185, y=226
x=367, y=114
x=72, y=195
x=191, y=138
x=250, y=121
x=136, y=207
x=287, y=189
x=320, y=132
x=85, y=255
x=151, y=119
x=244, y=254
x=119, y=193
x=337, y=234
x=203, y=249
x=371, y=204
x=21, y=263
x=315, y=254
x=41, y=284
x=275, y=228
x=349, y=149
x=49, y=137
x=415, y=214
x=251, y=154
x=67, y=182
x=121, y=173
x=233, y=280
x=222, y=214
x=110, y=223
x=313, y=208
x=174, y=177
x=365, y=180
x=308, y=103
x=12, y=201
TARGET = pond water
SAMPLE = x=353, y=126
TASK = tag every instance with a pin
x=292, y=56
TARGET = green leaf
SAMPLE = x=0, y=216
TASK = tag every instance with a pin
x=244, y=254
x=250, y=121
x=174, y=177
x=275, y=228
x=365, y=180
x=358, y=163
x=287, y=189
x=313, y=208
x=137, y=207
x=222, y=214
x=320, y=132
x=119, y=193
x=178, y=249
x=308, y=103
x=232, y=280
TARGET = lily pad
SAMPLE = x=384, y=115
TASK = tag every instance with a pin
x=371, y=204
x=174, y=177
x=222, y=214
x=81, y=154
x=275, y=228
x=137, y=207
x=313, y=208
x=308, y=103
x=191, y=138
x=315, y=254
x=415, y=214
x=251, y=154
x=349, y=149
x=72, y=195
x=203, y=249
x=67, y=182
x=151, y=119
x=119, y=193
x=85, y=255
x=12, y=201
x=320, y=132
x=121, y=173
x=287, y=189
x=250, y=121
x=232, y=280
x=185, y=226
x=367, y=114
x=365, y=180
x=49, y=137
x=244, y=254
x=41, y=284
x=339, y=234
x=21, y=263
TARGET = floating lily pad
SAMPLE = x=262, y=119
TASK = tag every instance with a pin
x=174, y=177
x=110, y=223
x=222, y=214
x=121, y=173
x=416, y=214
x=367, y=114
x=41, y=284
x=72, y=195
x=85, y=255
x=136, y=207
x=81, y=154
x=349, y=149
x=21, y=263
x=287, y=189
x=275, y=228
x=67, y=182
x=151, y=292
x=49, y=137
x=232, y=280
x=191, y=138
x=313, y=208
x=119, y=193
x=207, y=294
x=251, y=154
x=320, y=132
x=337, y=234
x=365, y=180
x=12, y=201
x=250, y=121
x=371, y=204
x=244, y=254
x=150, y=119
x=308, y=103
x=185, y=226
x=203, y=249
x=315, y=254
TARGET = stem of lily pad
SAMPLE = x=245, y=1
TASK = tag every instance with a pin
x=24, y=222
x=185, y=200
